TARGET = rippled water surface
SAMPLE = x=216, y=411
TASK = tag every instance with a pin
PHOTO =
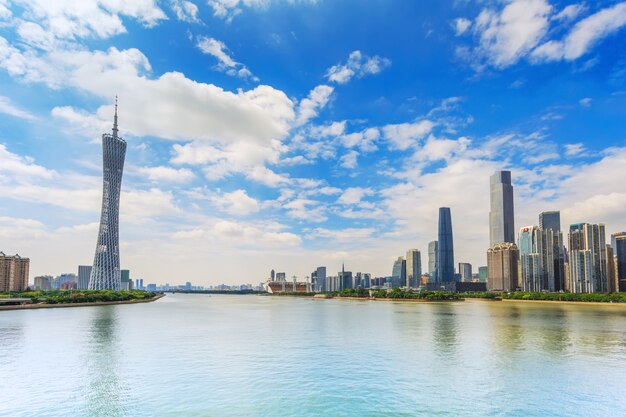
x=199, y=355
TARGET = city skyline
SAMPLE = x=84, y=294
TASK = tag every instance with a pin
x=323, y=156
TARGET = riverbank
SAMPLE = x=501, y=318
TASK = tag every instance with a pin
x=588, y=303
x=89, y=304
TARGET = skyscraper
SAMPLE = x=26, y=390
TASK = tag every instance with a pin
x=552, y=251
x=550, y=220
x=502, y=214
x=502, y=267
x=105, y=273
x=530, y=249
x=398, y=273
x=465, y=271
x=445, y=249
x=318, y=279
x=413, y=268
x=432, y=260
x=588, y=270
x=84, y=272
x=620, y=255
x=13, y=272
x=345, y=278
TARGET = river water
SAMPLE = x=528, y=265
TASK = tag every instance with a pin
x=221, y=355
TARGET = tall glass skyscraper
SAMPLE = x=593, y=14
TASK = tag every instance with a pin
x=105, y=273
x=432, y=260
x=445, y=250
x=413, y=268
x=550, y=220
x=502, y=214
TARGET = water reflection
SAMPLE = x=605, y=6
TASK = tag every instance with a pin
x=508, y=333
x=445, y=329
x=104, y=389
x=555, y=338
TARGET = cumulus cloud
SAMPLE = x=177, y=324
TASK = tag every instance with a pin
x=309, y=107
x=405, y=135
x=185, y=11
x=354, y=195
x=349, y=160
x=73, y=19
x=523, y=28
x=508, y=35
x=358, y=65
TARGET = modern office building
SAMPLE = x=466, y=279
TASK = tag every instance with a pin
x=125, y=282
x=84, y=272
x=482, y=273
x=13, y=273
x=272, y=275
x=550, y=220
x=502, y=264
x=398, y=273
x=318, y=279
x=530, y=245
x=585, y=237
x=614, y=237
x=413, y=268
x=502, y=213
x=105, y=273
x=44, y=282
x=611, y=270
x=281, y=276
x=620, y=260
x=445, y=247
x=345, y=278
x=465, y=271
x=552, y=251
x=432, y=260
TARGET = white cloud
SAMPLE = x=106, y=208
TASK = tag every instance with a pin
x=21, y=167
x=237, y=202
x=72, y=19
x=349, y=160
x=9, y=108
x=309, y=107
x=574, y=149
x=405, y=135
x=585, y=102
x=5, y=12
x=354, y=195
x=358, y=65
x=461, y=25
x=584, y=35
x=570, y=12
x=228, y=9
x=306, y=209
x=167, y=174
x=226, y=63
x=185, y=11
x=508, y=35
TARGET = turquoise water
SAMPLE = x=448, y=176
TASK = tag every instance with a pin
x=199, y=355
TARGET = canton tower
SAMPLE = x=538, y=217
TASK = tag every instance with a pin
x=105, y=274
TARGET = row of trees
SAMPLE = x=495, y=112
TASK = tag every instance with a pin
x=80, y=296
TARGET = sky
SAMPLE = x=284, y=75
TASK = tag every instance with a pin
x=292, y=134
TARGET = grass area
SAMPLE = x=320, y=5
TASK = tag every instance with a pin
x=79, y=296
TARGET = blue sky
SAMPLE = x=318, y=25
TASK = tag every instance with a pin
x=291, y=134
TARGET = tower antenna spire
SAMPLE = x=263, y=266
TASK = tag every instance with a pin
x=115, y=119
